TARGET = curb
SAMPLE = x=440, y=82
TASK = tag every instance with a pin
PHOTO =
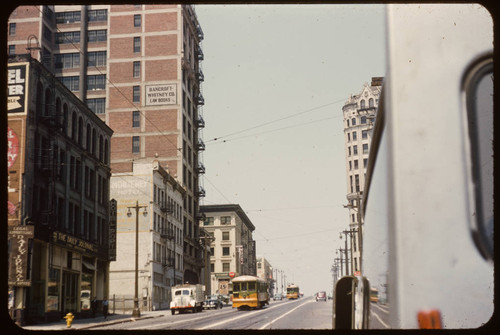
x=107, y=323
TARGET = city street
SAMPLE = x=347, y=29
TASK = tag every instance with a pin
x=304, y=313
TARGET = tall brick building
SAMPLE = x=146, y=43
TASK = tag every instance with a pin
x=138, y=67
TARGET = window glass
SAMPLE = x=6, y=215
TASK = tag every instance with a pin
x=251, y=286
x=480, y=116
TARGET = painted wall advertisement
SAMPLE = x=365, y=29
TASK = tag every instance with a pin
x=17, y=87
x=15, y=169
x=18, y=263
x=161, y=94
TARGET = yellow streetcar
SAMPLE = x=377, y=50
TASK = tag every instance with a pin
x=249, y=292
x=292, y=292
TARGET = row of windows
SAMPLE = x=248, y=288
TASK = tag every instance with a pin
x=224, y=220
x=226, y=251
x=72, y=124
x=353, y=121
x=225, y=267
x=162, y=254
x=72, y=37
x=355, y=149
x=76, y=16
x=364, y=135
x=162, y=200
x=72, y=60
x=356, y=164
x=94, y=82
x=169, y=229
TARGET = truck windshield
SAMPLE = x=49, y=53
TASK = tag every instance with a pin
x=182, y=292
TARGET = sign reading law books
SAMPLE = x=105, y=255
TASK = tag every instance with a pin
x=161, y=94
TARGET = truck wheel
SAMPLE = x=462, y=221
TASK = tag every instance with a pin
x=172, y=311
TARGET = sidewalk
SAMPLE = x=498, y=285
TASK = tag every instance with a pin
x=99, y=321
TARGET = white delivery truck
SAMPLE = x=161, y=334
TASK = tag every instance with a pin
x=187, y=297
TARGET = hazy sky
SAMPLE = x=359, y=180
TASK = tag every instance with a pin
x=276, y=78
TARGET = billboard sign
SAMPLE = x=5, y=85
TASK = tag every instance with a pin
x=17, y=79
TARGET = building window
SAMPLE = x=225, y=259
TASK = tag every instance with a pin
x=137, y=69
x=225, y=220
x=98, y=15
x=349, y=150
x=97, y=58
x=365, y=148
x=136, y=119
x=68, y=37
x=212, y=267
x=68, y=17
x=355, y=150
x=136, y=144
x=12, y=49
x=348, y=137
x=354, y=136
x=362, y=103
x=356, y=165
x=208, y=221
x=98, y=105
x=137, y=20
x=364, y=134
x=12, y=29
x=136, y=97
x=67, y=61
x=370, y=103
x=347, y=123
x=71, y=82
x=97, y=35
x=225, y=236
x=353, y=121
x=225, y=251
x=137, y=44
x=97, y=82
x=363, y=119
x=225, y=267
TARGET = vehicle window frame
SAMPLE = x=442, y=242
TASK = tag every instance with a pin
x=473, y=76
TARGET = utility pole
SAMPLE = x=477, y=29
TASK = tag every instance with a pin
x=136, y=311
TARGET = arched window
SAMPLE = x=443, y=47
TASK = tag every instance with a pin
x=65, y=118
x=353, y=121
x=39, y=99
x=88, y=137
x=101, y=148
x=94, y=140
x=362, y=103
x=80, y=130
x=106, y=152
x=73, y=125
x=48, y=102
x=370, y=103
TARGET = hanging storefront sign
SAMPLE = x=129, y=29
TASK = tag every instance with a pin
x=19, y=249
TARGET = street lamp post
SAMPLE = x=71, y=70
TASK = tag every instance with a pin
x=136, y=311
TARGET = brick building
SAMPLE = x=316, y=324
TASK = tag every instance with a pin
x=138, y=67
x=58, y=197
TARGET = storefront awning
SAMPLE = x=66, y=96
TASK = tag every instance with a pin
x=88, y=265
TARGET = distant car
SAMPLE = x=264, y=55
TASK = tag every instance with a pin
x=213, y=301
x=278, y=296
x=321, y=296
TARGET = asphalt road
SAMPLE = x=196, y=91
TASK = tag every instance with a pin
x=303, y=313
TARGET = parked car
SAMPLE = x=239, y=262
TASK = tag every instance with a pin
x=321, y=296
x=213, y=301
x=278, y=296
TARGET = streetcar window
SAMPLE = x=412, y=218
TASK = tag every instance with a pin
x=243, y=286
x=236, y=287
x=251, y=286
x=479, y=95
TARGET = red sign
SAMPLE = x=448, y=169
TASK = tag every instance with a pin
x=231, y=274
